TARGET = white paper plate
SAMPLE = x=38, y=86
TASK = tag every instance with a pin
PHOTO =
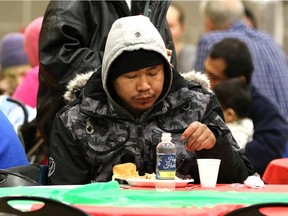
x=152, y=182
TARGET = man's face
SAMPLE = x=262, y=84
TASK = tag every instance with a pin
x=214, y=69
x=176, y=28
x=139, y=89
x=14, y=76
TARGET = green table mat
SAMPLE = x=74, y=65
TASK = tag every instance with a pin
x=110, y=194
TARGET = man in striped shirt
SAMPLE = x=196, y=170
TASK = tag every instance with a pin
x=224, y=19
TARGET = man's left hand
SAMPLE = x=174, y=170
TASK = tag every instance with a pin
x=198, y=137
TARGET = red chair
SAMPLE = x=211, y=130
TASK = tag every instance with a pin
x=276, y=172
x=261, y=209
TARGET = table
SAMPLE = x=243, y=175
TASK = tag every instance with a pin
x=110, y=199
x=276, y=172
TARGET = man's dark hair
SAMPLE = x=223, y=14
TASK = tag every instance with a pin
x=234, y=93
x=237, y=57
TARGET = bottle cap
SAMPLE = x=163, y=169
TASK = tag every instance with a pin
x=166, y=136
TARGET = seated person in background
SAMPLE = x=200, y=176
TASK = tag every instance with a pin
x=126, y=105
x=185, y=53
x=225, y=19
x=16, y=112
x=14, y=64
x=11, y=150
x=231, y=58
x=235, y=100
x=27, y=90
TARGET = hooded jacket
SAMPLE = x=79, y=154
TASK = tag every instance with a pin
x=72, y=42
x=27, y=90
x=94, y=132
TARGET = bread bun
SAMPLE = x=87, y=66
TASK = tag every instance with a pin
x=125, y=171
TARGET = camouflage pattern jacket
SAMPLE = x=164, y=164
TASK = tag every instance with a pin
x=89, y=137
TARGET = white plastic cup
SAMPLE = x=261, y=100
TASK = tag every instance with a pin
x=208, y=171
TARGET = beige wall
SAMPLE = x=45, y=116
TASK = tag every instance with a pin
x=15, y=15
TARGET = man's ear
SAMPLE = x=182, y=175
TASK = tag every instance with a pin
x=230, y=115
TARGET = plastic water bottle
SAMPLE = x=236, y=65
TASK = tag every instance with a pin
x=166, y=164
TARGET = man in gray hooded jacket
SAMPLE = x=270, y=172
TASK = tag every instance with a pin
x=126, y=105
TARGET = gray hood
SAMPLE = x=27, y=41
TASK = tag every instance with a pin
x=130, y=34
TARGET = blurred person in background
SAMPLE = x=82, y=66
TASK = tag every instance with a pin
x=26, y=93
x=14, y=62
x=11, y=150
x=234, y=97
x=185, y=53
x=27, y=90
x=230, y=58
x=14, y=65
x=225, y=19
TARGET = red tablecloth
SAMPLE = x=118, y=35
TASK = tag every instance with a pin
x=133, y=211
x=217, y=210
x=276, y=172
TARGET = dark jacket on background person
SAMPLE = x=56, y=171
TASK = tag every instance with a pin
x=94, y=132
x=72, y=41
x=270, y=132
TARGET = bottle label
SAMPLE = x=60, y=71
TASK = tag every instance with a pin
x=166, y=166
x=166, y=175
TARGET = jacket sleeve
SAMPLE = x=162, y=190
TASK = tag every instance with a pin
x=66, y=47
x=270, y=132
x=65, y=42
x=234, y=167
x=67, y=164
